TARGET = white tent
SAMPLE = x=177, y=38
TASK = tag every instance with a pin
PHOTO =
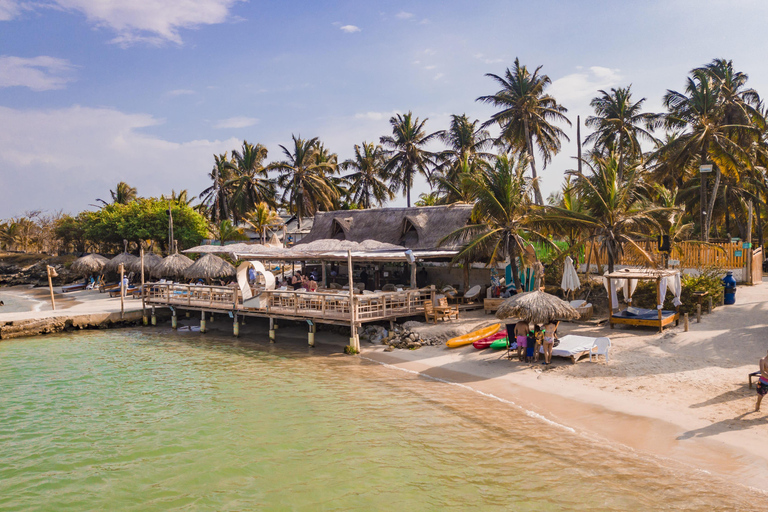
x=242, y=278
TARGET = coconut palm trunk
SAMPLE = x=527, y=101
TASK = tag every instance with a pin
x=534, y=175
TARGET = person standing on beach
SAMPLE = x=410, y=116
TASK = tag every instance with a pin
x=521, y=336
x=549, y=341
x=762, y=382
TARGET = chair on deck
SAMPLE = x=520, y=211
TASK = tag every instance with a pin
x=388, y=288
x=430, y=312
x=448, y=311
x=473, y=293
x=601, y=346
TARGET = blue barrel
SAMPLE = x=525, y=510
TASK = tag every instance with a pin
x=730, y=289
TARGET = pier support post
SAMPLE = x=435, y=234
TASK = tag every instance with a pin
x=311, y=335
x=211, y=319
x=685, y=322
x=236, y=327
x=202, y=321
x=154, y=317
x=187, y=314
x=271, y=330
x=698, y=313
x=174, y=320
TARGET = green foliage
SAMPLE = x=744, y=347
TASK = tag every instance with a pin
x=707, y=281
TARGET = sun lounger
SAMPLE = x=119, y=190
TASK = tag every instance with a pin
x=73, y=287
x=573, y=347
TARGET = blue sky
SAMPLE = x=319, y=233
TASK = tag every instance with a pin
x=93, y=92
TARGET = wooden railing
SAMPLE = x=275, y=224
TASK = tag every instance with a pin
x=690, y=255
x=331, y=304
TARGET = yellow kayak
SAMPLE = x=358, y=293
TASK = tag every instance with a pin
x=472, y=337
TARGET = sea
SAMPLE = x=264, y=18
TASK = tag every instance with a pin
x=156, y=420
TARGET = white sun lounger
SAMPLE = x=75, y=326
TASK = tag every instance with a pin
x=572, y=346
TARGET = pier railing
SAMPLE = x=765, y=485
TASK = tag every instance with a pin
x=299, y=304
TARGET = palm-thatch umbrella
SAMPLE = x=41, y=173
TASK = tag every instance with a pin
x=126, y=259
x=89, y=264
x=173, y=265
x=209, y=267
x=536, y=307
x=151, y=260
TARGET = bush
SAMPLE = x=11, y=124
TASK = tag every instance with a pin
x=708, y=280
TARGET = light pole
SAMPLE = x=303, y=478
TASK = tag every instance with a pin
x=704, y=170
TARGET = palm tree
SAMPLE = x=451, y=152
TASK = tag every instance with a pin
x=526, y=115
x=216, y=197
x=620, y=124
x=182, y=199
x=367, y=182
x=502, y=218
x=224, y=231
x=405, y=152
x=459, y=188
x=615, y=213
x=123, y=194
x=431, y=199
x=249, y=183
x=261, y=218
x=466, y=142
x=305, y=178
x=718, y=120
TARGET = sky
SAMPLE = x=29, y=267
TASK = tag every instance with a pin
x=93, y=92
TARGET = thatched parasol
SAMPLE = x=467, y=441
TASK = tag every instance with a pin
x=209, y=267
x=126, y=259
x=536, y=307
x=172, y=266
x=151, y=260
x=89, y=264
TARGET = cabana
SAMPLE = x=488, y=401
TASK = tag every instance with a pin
x=626, y=279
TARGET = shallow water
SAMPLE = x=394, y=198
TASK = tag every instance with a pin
x=15, y=300
x=157, y=420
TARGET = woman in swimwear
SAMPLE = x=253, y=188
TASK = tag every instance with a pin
x=549, y=341
x=521, y=336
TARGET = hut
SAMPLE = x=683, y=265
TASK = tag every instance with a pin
x=89, y=264
x=209, y=267
x=173, y=265
x=151, y=260
x=125, y=258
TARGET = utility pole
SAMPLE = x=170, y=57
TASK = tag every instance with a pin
x=704, y=170
x=578, y=143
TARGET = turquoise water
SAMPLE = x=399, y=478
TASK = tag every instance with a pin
x=156, y=420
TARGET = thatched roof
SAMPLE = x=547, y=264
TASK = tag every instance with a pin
x=334, y=245
x=414, y=228
x=275, y=241
x=89, y=264
x=124, y=258
x=172, y=266
x=536, y=307
x=209, y=266
x=151, y=260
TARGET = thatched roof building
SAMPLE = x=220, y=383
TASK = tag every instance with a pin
x=209, y=267
x=172, y=266
x=151, y=260
x=89, y=264
x=126, y=259
x=412, y=228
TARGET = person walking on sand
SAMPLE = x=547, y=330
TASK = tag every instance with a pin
x=762, y=382
x=549, y=341
x=521, y=336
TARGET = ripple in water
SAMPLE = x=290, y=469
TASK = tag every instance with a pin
x=130, y=420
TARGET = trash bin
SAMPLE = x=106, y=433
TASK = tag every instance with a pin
x=730, y=289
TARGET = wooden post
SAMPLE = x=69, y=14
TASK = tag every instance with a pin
x=413, y=275
x=122, y=291
x=659, y=301
x=698, y=313
x=154, y=316
x=685, y=322
x=236, y=327
x=202, y=321
x=271, y=330
x=143, y=303
x=174, y=320
x=323, y=275
x=311, y=335
x=748, y=253
x=352, y=329
x=50, y=285
x=610, y=303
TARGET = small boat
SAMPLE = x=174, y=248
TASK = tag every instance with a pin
x=472, y=337
x=499, y=344
x=486, y=342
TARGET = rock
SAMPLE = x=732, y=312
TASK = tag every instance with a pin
x=389, y=349
x=414, y=345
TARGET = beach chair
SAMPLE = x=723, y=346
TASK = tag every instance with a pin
x=472, y=294
x=388, y=288
x=429, y=311
x=448, y=311
x=601, y=346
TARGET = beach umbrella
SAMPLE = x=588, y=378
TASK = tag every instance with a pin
x=570, y=281
x=537, y=307
x=126, y=259
x=151, y=260
x=209, y=267
x=89, y=264
x=172, y=266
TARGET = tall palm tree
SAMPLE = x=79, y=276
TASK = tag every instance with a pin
x=181, y=199
x=123, y=194
x=620, y=124
x=431, y=199
x=526, y=115
x=406, y=153
x=503, y=216
x=249, y=183
x=305, y=176
x=367, y=181
x=458, y=187
x=216, y=197
x=615, y=213
x=225, y=231
x=262, y=218
x=466, y=141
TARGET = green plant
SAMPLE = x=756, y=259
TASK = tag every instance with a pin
x=349, y=349
x=707, y=281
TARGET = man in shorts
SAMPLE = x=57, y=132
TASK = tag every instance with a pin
x=762, y=382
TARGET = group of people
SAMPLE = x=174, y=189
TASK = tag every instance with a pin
x=298, y=280
x=530, y=341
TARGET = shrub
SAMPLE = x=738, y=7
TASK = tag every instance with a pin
x=708, y=280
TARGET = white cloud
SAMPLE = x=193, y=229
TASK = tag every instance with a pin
x=404, y=15
x=180, y=92
x=66, y=158
x=152, y=21
x=584, y=84
x=41, y=73
x=431, y=66
x=349, y=29
x=9, y=9
x=374, y=116
x=236, y=122
x=487, y=60
x=438, y=76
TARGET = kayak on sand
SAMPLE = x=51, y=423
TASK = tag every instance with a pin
x=486, y=342
x=472, y=337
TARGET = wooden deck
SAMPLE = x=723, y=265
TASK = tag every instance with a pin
x=330, y=307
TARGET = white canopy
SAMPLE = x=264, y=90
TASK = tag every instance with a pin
x=242, y=277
